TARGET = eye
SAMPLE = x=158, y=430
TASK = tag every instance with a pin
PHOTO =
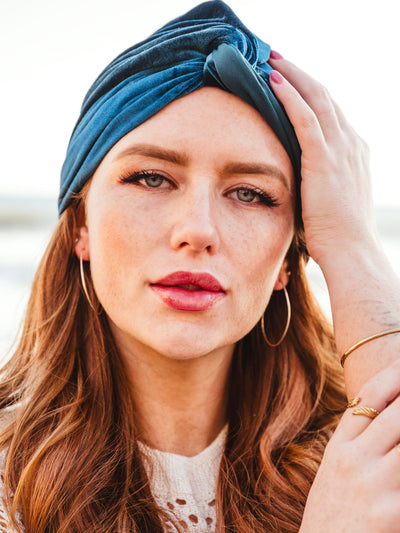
x=149, y=178
x=154, y=180
x=246, y=195
x=253, y=195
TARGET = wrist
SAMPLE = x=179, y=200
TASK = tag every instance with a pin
x=348, y=258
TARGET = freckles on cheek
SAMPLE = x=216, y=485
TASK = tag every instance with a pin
x=259, y=252
x=122, y=238
x=258, y=240
x=108, y=242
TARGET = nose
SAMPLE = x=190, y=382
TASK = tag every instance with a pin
x=195, y=227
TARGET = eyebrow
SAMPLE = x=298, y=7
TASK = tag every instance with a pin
x=155, y=152
x=180, y=158
x=238, y=167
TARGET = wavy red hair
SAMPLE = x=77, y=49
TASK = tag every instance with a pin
x=73, y=462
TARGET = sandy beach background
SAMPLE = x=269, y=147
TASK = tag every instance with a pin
x=27, y=223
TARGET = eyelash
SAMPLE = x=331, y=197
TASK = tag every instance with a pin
x=264, y=198
x=134, y=177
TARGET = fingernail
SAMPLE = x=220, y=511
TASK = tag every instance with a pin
x=275, y=76
x=275, y=55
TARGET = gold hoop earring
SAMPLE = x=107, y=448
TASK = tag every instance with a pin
x=84, y=283
x=289, y=314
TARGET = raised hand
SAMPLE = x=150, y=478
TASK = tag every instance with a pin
x=339, y=223
x=335, y=189
x=357, y=487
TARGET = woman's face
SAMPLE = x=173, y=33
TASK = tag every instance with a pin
x=189, y=218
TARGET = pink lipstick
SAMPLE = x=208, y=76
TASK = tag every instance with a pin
x=189, y=291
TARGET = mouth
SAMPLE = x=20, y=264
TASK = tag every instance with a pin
x=189, y=291
x=190, y=287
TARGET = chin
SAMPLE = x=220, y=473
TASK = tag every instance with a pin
x=186, y=349
x=179, y=342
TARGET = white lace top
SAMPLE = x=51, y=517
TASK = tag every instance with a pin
x=183, y=486
x=186, y=486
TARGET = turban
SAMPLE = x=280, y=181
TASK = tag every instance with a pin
x=208, y=46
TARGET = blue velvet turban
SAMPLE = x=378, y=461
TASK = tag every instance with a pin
x=208, y=46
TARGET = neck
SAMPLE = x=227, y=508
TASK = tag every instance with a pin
x=180, y=404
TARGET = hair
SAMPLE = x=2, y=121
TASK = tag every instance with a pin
x=72, y=458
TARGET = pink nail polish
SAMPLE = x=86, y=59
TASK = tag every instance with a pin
x=275, y=76
x=275, y=55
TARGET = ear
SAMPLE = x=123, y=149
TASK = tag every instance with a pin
x=82, y=244
x=283, y=276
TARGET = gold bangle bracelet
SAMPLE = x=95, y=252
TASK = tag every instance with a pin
x=364, y=341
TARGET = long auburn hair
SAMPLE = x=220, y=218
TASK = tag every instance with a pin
x=72, y=459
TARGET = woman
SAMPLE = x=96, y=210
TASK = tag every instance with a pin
x=152, y=390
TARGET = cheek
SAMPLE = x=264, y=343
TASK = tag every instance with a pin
x=259, y=243
x=118, y=246
x=259, y=252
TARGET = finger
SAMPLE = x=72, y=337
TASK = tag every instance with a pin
x=392, y=460
x=344, y=124
x=302, y=117
x=389, y=470
x=315, y=94
x=377, y=393
x=382, y=436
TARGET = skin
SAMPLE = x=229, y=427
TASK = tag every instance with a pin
x=357, y=487
x=195, y=220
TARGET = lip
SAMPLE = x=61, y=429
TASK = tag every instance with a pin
x=189, y=291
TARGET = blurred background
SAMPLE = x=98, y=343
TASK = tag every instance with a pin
x=52, y=51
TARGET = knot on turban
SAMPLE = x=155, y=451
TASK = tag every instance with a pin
x=208, y=46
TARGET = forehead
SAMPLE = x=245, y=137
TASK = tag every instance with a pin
x=212, y=124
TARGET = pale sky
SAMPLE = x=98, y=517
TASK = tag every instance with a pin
x=51, y=52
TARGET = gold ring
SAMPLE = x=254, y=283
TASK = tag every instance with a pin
x=366, y=411
x=355, y=401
